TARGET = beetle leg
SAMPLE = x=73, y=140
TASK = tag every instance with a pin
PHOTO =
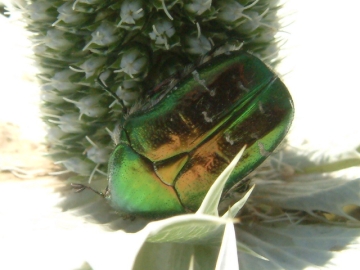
x=80, y=187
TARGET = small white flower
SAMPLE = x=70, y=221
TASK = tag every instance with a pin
x=264, y=37
x=162, y=31
x=52, y=97
x=131, y=11
x=197, y=45
x=38, y=10
x=68, y=15
x=104, y=34
x=54, y=134
x=98, y=155
x=129, y=91
x=69, y=123
x=198, y=7
x=55, y=39
x=90, y=106
x=133, y=62
x=255, y=22
x=91, y=65
x=78, y=165
x=231, y=11
x=61, y=81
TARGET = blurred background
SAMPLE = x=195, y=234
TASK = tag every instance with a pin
x=320, y=68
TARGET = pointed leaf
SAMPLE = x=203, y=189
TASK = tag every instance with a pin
x=190, y=228
x=241, y=247
x=175, y=256
x=231, y=213
x=210, y=203
x=228, y=258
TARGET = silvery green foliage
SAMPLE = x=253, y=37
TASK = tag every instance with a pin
x=133, y=45
x=298, y=223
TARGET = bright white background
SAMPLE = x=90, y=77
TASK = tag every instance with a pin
x=322, y=73
x=322, y=62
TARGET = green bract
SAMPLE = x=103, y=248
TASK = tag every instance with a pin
x=173, y=148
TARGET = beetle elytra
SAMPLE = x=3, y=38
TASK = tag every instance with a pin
x=170, y=153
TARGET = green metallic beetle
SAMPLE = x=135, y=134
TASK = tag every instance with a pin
x=170, y=153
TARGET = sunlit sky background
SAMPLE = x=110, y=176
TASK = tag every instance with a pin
x=322, y=62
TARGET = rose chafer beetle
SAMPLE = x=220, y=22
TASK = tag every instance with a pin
x=170, y=153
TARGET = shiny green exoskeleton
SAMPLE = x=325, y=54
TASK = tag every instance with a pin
x=174, y=148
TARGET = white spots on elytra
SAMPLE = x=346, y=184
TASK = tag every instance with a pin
x=196, y=76
x=202, y=82
x=228, y=139
x=262, y=149
x=185, y=120
x=261, y=108
x=240, y=85
x=206, y=117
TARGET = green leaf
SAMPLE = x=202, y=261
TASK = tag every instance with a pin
x=164, y=256
x=190, y=229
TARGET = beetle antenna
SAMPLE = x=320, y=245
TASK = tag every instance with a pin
x=80, y=187
x=107, y=90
